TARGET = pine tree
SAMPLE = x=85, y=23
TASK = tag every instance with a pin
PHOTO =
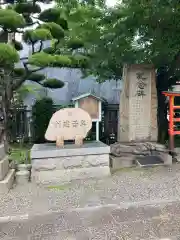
x=51, y=25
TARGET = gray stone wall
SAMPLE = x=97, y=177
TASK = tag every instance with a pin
x=51, y=165
x=62, y=163
x=62, y=170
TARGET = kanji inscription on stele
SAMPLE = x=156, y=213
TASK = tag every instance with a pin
x=69, y=124
x=140, y=105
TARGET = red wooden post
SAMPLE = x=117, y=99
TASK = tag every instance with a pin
x=171, y=130
x=171, y=123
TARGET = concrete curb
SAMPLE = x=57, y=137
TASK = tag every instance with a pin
x=15, y=218
x=24, y=217
x=121, y=206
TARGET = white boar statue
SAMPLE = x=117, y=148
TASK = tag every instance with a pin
x=68, y=124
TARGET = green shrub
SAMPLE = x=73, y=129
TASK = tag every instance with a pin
x=36, y=77
x=27, y=8
x=9, y=19
x=19, y=72
x=79, y=61
x=8, y=54
x=36, y=35
x=50, y=15
x=41, y=113
x=56, y=30
x=53, y=15
x=49, y=50
x=53, y=83
x=43, y=59
x=75, y=43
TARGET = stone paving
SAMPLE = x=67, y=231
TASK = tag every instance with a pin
x=132, y=204
x=123, y=188
x=106, y=222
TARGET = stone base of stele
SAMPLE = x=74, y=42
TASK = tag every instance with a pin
x=53, y=165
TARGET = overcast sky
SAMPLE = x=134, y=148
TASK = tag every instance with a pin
x=111, y=2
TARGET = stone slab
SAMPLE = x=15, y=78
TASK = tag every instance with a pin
x=68, y=175
x=22, y=177
x=177, y=157
x=49, y=150
x=7, y=183
x=167, y=158
x=177, y=150
x=58, y=163
x=4, y=167
x=121, y=162
x=152, y=161
x=2, y=151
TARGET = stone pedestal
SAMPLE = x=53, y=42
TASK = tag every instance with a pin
x=177, y=156
x=137, y=135
x=6, y=174
x=53, y=165
x=22, y=177
x=128, y=154
x=118, y=162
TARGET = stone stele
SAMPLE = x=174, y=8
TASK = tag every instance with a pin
x=68, y=124
x=138, y=129
x=138, y=104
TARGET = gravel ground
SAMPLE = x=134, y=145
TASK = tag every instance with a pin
x=153, y=222
x=126, y=187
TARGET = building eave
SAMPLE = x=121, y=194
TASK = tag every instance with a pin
x=87, y=95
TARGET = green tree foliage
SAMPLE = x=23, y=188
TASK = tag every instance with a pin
x=138, y=31
x=52, y=24
x=85, y=24
x=42, y=112
x=53, y=83
x=10, y=20
x=8, y=55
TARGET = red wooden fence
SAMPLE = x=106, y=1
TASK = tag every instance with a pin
x=172, y=120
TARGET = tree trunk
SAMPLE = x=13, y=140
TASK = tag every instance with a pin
x=162, y=84
x=5, y=110
x=5, y=105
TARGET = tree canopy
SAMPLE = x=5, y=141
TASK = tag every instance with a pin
x=138, y=31
x=93, y=37
x=59, y=25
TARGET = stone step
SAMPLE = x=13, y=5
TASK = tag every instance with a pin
x=4, y=167
x=150, y=161
x=117, y=163
x=52, y=165
x=7, y=182
x=22, y=177
x=58, y=177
